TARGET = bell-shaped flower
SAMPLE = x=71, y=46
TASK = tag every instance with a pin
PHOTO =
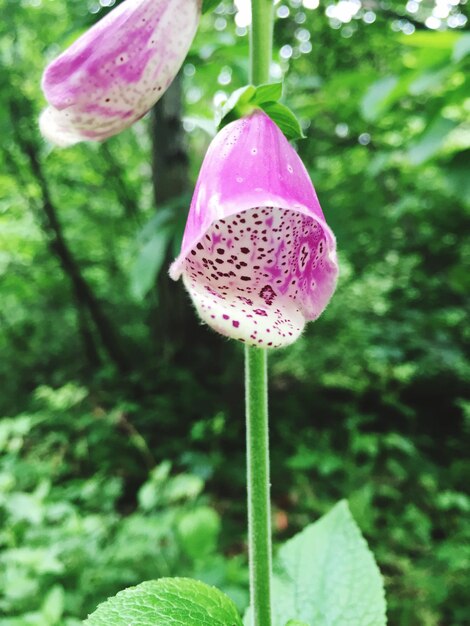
x=116, y=71
x=257, y=258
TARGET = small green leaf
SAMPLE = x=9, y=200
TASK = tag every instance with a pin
x=327, y=575
x=270, y=92
x=209, y=5
x=175, y=601
x=295, y=622
x=246, y=99
x=242, y=101
x=149, y=263
x=238, y=104
x=284, y=118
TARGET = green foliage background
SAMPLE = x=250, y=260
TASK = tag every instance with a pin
x=122, y=441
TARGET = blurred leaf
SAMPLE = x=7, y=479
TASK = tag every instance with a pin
x=184, y=486
x=179, y=601
x=461, y=47
x=457, y=176
x=62, y=399
x=433, y=78
x=53, y=606
x=430, y=142
x=25, y=506
x=150, y=493
x=199, y=532
x=361, y=506
x=376, y=97
x=426, y=39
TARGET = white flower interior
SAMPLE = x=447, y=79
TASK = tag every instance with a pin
x=254, y=276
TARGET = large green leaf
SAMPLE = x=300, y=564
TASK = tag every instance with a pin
x=327, y=576
x=175, y=601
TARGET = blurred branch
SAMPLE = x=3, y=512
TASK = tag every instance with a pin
x=89, y=346
x=50, y=224
x=137, y=439
x=123, y=193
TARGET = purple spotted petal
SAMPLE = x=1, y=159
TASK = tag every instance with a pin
x=257, y=258
x=114, y=73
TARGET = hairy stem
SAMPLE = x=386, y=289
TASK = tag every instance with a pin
x=256, y=381
x=261, y=40
x=259, y=513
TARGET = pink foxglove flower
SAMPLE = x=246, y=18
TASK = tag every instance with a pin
x=257, y=258
x=114, y=73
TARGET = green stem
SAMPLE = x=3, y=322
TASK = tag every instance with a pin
x=261, y=40
x=256, y=382
x=259, y=513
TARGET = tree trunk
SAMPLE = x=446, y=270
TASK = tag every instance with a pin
x=178, y=333
x=170, y=161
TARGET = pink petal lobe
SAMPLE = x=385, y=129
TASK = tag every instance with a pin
x=258, y=258
x=116, y=71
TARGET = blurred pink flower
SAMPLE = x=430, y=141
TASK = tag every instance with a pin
x=114, y=73
x=258, y=258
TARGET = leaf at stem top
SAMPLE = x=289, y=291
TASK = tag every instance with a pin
x=248, y=98
x=284, y=118
x=238, y=104
x=209, y=5
x=269, y=92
